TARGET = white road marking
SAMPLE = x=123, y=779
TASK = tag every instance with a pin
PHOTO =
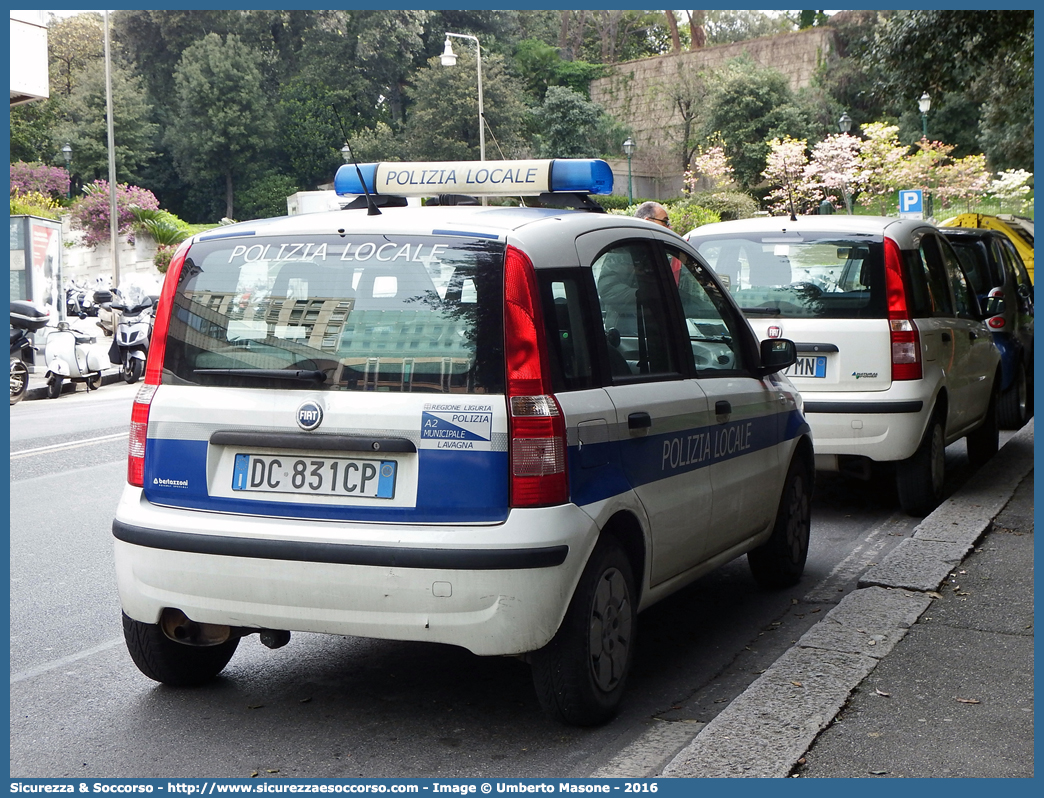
x=62, y=662
x=71, y=445
x=857, y=560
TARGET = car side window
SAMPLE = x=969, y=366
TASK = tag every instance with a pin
x=964, y=299
x=712, y=325
x=565, y=319
x=935, y=274
x=634, y=313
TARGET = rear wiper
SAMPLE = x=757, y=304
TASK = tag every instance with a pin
x=304, y=375
x=761, y=311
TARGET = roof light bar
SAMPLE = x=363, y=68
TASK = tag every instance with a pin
x=478, y=178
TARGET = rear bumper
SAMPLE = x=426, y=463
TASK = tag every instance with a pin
x=883, y=427
x=497, y=589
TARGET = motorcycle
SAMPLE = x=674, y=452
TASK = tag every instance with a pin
x=103, y=302
x=130, y=342
x=25, y=318
x=69, y=355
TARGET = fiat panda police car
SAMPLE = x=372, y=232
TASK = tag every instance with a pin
x=505, y=428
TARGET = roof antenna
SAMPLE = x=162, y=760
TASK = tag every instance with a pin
x=371, y=206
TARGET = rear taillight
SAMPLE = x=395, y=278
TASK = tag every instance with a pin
x=905, y=340
x=139, y=425
x=537, y=450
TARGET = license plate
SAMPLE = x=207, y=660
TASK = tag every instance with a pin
x=318, y=476
x=809, y=366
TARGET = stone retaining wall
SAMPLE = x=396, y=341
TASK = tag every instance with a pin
x=634, y=94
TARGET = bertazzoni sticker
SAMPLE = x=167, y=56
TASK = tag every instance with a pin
x=456, y=426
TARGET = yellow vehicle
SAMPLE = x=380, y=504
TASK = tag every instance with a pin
x=1018, y=228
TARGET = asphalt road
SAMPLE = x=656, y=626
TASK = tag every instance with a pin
x=328, y=706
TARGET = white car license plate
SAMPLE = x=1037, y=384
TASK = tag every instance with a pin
x=809, y=366
x=325, y=476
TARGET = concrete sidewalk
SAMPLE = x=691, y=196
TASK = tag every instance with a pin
x=925, y=670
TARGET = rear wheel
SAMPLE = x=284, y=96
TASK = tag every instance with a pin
x=919, y=479
x=54, y=386
x=1013, y=408
x=780, y=561
x=984, y=442
x=580, y=675
x=94, y=382
x=19, y=380
x=176, y=664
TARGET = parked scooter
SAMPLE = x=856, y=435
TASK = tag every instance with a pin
x=102, y=297
x=25, y=318
x=69, y=355
x=130, y=344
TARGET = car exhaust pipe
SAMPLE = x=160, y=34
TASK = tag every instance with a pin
x=176, y=625
x=275, y=638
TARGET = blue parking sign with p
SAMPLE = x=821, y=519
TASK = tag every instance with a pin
x=911, y=201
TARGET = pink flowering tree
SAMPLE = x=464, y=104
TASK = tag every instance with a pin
x=711, y=164
x=39, y=178
x=785, y=170
x=880, y=156
x=834, y=165
x=91, y=212
x=962, y=179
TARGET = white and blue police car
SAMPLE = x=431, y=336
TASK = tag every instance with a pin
x=506, y=428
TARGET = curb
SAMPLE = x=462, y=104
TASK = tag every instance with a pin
x=108, y=377
x=769, y=727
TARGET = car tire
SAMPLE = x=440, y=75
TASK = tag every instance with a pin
x=54, y=386
x=984, y=441
x=780, y=561
x=1013, y=408
x=19, y=380
x=919, y=479
x=580, y=675
x=171, y=663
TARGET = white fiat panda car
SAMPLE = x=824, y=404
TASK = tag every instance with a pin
x=895, y=360
x=504, y=428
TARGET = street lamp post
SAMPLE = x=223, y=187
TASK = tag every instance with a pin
x=449, y=58
x=67, y=154
x=346, y=153
x=924, y=104
x=629, y=147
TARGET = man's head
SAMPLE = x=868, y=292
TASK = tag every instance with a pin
x=653, y=212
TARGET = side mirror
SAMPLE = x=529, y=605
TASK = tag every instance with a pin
x=776, y=354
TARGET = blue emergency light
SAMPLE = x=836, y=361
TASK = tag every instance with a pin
x=477, y=178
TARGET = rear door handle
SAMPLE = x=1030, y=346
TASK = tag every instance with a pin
x=639, y=421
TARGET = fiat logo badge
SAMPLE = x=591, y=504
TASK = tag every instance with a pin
x=775, y=332
x=309, y=416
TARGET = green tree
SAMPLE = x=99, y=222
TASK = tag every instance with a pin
x=540, y=66
x=73, y=43
x=224, y=120
x=443, y=122
x=725, y=27
x=986, y=54
x=569, y=125
x=86, y=129
x=750, y=105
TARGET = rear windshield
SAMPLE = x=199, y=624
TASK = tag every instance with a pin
x=340, y=313
x=806, y=275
